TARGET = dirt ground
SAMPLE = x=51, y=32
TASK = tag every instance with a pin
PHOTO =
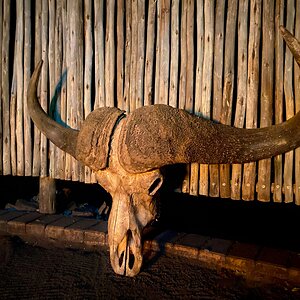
x=32, y=272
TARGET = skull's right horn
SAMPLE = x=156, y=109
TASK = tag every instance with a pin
x=160, y=135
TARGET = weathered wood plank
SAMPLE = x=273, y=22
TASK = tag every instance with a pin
x=164, y=51
x=27, y=74
x=207, y=81
x=248, y=188
x=44, y=84
x=279, y=17
x=149, y=56
x=194, y=176
x=12, y=122
x=266, y=96
x=36, y=167
x=157, y=53
x=120, y=6
x=5, y=88
x=289, y=105
x=297, y=106
x=214, y=179
x=174, y=52
x=99, y=53
x=1, y=113
x=240, y=110
x=140, y=64
x=19, y=40
x=110, y=55
x=47, y=195
x=88, y=67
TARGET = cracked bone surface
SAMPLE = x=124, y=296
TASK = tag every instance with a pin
x=127, y=151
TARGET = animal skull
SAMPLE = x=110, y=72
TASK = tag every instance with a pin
x=127, y=152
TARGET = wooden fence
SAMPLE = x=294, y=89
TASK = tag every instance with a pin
x=223, y=60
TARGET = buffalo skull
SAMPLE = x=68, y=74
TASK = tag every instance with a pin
x=127, y=152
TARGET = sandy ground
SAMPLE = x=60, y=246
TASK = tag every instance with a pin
x=32, y=272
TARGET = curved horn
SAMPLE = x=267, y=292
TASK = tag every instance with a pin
x=160, y=135
x=62, y=137
x=91, y=144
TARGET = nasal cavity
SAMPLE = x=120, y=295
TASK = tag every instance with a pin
x=130, y=256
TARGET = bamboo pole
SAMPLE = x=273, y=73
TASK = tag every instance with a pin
x=27, y=74
x=207, y=81
x=1, y=113
x=5, y=88
x=128, y=47
x=52, y=82
x=174, y=53
x=19, y=40
x=229, y=75
x=279, y=17
x=266, y=96
x=99, y=53
x=110, y=54
x=194, y=177
x=214, y=184
x=44, y=85
x=120, y=53
x=36, y=167
x=88, y=67
x=297, y=104
x=164, y=51
x=289, y=105
x=248, y=188
x=240, y=110
x=149, y=59
x=140, y=65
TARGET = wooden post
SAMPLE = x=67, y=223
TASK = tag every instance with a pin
x=47, y=195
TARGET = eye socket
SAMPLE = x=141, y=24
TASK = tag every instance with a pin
x=156, y=184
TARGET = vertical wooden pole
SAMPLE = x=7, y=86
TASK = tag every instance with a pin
x=289, y=105
x=240, y=110
x=266, y=95
x=279, y=66
x=47, y=195
x=1, y=114
x=249, y=176
x=5, y=88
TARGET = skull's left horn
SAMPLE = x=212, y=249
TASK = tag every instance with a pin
x=160, y=135
x=91, y=144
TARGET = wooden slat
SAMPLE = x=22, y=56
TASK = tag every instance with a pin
x=157, y=53
x=214, y=182
x=194, y=176
x=207, y=81
x=88, y=67
x=1, y=113
x=12, y=123
x=27, y=74
x=133, y=58
x=248, y=188
x=182, y=80
x=174, y=53
x=140, y=64
x=240, y=110
x=266, y=95
x=99, y=53
x=5, y=88
x=120, y=52
x=59, y=156
x=289, y=105
x=164, y=51
x=128, y=46
x=19, y=40
x=52, y=79
x=149, y=58
x=279, y=17
x=110, y=55
x=36, y=166
x=44, y=85
x=297, y=105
